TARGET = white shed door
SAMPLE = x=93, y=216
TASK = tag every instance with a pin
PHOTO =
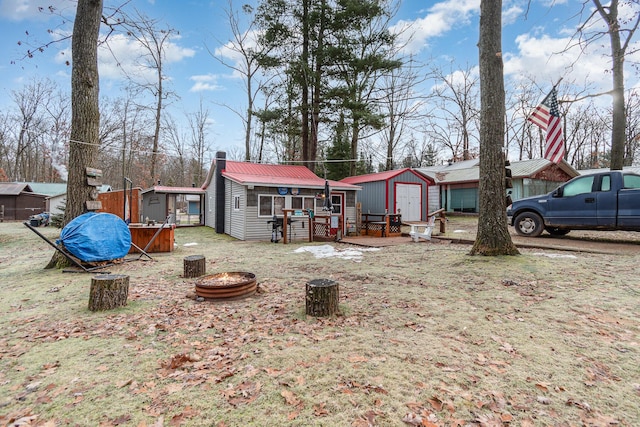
x=409, y=201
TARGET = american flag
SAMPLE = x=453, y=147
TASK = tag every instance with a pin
x=547, y=117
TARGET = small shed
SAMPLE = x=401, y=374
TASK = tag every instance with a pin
x=243, y=198
x=18, y=201
x=183, y=205
x=402, y=191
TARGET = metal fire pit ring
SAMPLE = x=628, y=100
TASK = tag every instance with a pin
x=235, y=284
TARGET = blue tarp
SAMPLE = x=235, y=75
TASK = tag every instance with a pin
x=95, y=237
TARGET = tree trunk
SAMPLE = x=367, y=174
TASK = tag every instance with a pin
x=322, y=297
x=304, y=84
x=195, y=266
x=108, y=291
x=493, y=236
x=85, y=113
x=618, y=131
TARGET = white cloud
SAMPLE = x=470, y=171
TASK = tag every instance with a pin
x=441, y=18
x=35, y=10
x=206, y=82
x=511, y=14
x=123, y=55
x=547, y=59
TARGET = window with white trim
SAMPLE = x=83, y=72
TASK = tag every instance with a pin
x=270, y=205
x=236, y=203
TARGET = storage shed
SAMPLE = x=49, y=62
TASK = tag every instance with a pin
x=402, y=191
x=183, y=205
x=18, y=201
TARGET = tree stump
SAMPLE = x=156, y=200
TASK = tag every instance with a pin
x=108, y=291
x=194, y=266
x=322, y=297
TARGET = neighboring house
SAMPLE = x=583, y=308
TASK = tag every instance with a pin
x=57, y=194
x=402, y=191
x=243, y=197
x=18, y=201
x=181, y=205
x=458, y=182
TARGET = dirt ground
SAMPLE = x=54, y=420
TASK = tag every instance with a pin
x=426, y=335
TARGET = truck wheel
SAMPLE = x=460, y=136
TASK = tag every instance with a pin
x=557, y=231
x=529, y=224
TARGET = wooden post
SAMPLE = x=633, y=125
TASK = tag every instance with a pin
x=108, y=291
x=322, y=297
x=194, y=266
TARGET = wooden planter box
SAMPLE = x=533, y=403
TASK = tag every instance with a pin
x=141, y=235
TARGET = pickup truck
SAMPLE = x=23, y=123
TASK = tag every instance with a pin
x=601, y=201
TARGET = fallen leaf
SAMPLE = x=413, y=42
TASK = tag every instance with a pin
x=319, y=410
x=506, y=417
x=412, y=419
x=357, y=359
x=543, y=387
x=124, y=383
x=436, y=403
x=290, y=398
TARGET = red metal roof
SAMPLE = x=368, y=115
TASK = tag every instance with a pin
x=278, y=175
x=379, y=176
x=178, y=190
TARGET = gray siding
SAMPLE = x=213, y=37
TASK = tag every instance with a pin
x=434, y=198
x=373, y=196
x=235, y=221
x=154, y=206
x=245, y=224
x=350, y=215
x=210, y=207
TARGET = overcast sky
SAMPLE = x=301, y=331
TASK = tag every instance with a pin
x=441, y=32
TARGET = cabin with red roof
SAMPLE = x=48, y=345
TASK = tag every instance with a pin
x=242, y=198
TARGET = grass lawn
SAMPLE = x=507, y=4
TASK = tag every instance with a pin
x=426, y=336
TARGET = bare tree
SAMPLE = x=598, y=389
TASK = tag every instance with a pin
x=154, y=41
x=620, y=31
x=520, y=133
x=176, y=138
x=248, y=49
x=633, y=127
x=457, y=98
x=31, y=102
x=401, y=105
x=199, y=124
x=493, y=237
